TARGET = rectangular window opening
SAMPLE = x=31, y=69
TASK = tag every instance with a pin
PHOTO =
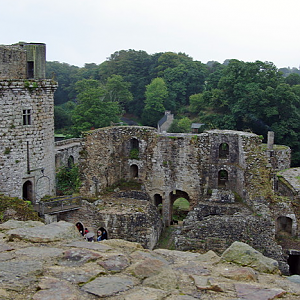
x=30, y=69
x=26, y=116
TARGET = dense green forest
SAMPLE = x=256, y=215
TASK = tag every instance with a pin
x=252, y=96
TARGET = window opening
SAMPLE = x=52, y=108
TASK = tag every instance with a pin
x=134, y=143
x=26, y=116
x=224, y=150
x=222, y=178
x=284, y=224
x=30, y=69
x=71, y=162
x=134, y=171
x=134, y=149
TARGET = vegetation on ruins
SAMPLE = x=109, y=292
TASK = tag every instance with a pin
x=68, y=180
x=18, y=209
x=252, y=96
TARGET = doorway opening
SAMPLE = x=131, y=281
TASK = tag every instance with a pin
x=134, y=171
x=222, y=178
x=294, y=262
x=28, y=191
x=158, y=203
x=180, y=206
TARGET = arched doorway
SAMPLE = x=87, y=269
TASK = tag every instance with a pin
x=28, y=191
x=179, y=211
x=181, y=207
x=284, y=224
x=134, y=171
x=222, y=178
x=158, y=202
x=70, y=162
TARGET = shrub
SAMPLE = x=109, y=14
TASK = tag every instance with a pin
x=68, y=180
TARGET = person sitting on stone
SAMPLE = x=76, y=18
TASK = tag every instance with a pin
x=101, y=234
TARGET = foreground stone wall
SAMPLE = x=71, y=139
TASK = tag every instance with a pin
x=141, y=223
x=27, y=149
x=53, y=262
x=211, y=227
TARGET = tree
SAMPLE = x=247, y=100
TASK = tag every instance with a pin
x=62, y=118
x=117, y=90
x=181, y=125
x=66, y=75
x=92, y=110
x=156, y=94
x=293, y=79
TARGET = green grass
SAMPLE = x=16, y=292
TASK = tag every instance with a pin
x=182, y=204
x=166, y=239
x=23, y=210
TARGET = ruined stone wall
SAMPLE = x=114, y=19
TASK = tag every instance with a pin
x=279, y=157
x=66, y=149
x=105, y=158
x=170, y=165
x=143, y=226
x=12, y=62
x=218, y=231
x=26, y=149
x=36, y=52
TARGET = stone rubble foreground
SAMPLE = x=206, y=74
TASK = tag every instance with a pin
x=52, y=261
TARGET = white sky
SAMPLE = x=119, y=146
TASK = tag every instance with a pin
x=89, y=31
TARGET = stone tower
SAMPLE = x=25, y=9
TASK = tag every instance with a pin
x=27, y=161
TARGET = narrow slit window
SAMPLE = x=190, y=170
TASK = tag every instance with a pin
x=30, y=69
x=26, y=116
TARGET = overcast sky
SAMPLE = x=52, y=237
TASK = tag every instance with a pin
x=89, y=31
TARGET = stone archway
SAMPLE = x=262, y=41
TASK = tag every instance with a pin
x=71, y=162
x=158, y=202
x=134, y=171
x=222, y=178
x=284, y=224
x=27, y=193
x=174, y=195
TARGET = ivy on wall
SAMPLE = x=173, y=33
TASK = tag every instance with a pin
x=68, y=180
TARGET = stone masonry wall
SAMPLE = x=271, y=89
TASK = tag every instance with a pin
x=19, y=142
x=12, y=62
x=169, y=164
x=143, y=226
x=218, y=231
x=65, y=149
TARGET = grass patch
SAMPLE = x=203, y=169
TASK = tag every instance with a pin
x=166, y=240
x=22, y=210
x=182, y=203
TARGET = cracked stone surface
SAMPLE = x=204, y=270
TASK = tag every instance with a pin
x=75, y=269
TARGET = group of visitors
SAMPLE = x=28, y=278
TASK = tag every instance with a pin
x=90, y=236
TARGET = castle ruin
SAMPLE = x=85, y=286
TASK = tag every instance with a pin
x=228, y=177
